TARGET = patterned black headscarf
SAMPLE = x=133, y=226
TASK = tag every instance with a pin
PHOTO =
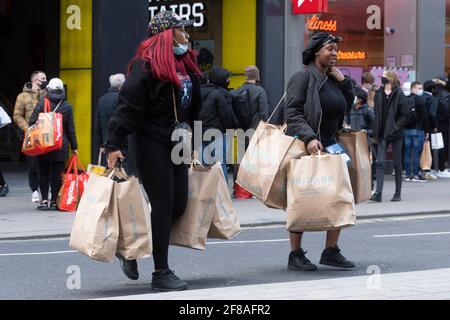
x=316, y=43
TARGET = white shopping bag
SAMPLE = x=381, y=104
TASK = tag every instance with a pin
x=4, y=118
x=437, y=141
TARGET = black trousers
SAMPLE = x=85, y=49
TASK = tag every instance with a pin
x=397, y=147
x=443, y=153
x=2, y=179
x=50, y=175
x=166, y=185
x=33, y=173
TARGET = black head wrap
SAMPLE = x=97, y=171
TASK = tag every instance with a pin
x=316, y=43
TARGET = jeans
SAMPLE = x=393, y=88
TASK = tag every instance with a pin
x=414, y=140
x=381, y=158
x=216, y=151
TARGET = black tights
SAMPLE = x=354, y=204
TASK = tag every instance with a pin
x=50, y=174
x=166, y=185
x=2, y=180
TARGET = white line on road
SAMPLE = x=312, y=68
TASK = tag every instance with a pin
x=209, y=243
x=35, y=253
x=410, y=235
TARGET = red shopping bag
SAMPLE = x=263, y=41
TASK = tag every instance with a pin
x=68, y=195
x=46, y=134
x=83, y=177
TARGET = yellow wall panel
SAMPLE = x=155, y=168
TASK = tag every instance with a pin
x=80, y=98
x=76, y=44
x=238, y=37
x=76, y=67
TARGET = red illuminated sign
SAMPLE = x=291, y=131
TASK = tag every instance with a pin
x=309, y=6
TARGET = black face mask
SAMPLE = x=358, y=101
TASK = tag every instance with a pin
x=384, y=80
x=43, y=85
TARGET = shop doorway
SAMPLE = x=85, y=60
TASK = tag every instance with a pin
x=29, y=37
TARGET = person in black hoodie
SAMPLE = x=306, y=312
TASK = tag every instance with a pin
x=317, y=100
x=416, y=130
x=390, y=120
x=51, y=165
x=442, y=123
x=217, y=113
x=161, y=92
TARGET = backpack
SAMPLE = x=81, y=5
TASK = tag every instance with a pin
x=411, y=112
x=242, y=107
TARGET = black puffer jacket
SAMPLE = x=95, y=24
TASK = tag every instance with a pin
x=217, y=103
x=106, y=107
x=396, y=118
x=146, y=107
x=304, y=110
x=69, y=135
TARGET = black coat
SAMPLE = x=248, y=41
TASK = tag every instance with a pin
x=396, y=118
x=146, y=107
x=217, y=109
x=106, y=107
x=69, y=135
x=258, y=101
x=304, y=110
x=443, y=109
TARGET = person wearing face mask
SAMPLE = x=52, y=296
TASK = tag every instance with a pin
x=318, y=99
x=390, y=120
x=416, y=130
x=51, y=165
x=162, y=85
x=25, y=103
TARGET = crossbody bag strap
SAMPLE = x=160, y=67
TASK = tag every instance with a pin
x=175, y=106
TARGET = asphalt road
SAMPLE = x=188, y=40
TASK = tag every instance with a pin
x=42, y=269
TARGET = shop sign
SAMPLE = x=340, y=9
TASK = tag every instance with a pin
x=314, y=23
x=188, y=11
x=352, y=55
x=309, y=6
x=73, y=21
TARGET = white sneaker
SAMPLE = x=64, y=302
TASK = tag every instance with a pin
x=35, y=198
x=443, y=174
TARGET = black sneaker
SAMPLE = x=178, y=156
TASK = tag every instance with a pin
x=166, y=280
x=396, y=198
x=299, y=262
x=4, y=190
x=376, y=197
x=332, y=257
x=129, y=267
x=43, y=206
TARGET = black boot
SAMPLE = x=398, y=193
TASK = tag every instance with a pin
x=332, y=257
x=129, y=267
x=376, y=197
x=299, y=262
x=396, y=198
x=166, y=280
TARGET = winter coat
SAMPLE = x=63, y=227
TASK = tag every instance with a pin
x=25, y=104
x=419, y=120
x=361, y=119
x=258, y=101
x=146, y=107
x=396, y=118
x=217, y=109
x=304, y=110
x=106, y=107
x=69, y=135
x=443, y=109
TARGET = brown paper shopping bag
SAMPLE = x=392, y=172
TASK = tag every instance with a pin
x=360, y=168
x=191, y=230
x=263, y=168
x=135, y=235
x=225, y=222
x=95, y=230
x=319, y=194
x=426, y=160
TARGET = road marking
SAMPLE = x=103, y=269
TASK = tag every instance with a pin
x=247, y=241
x=35, y=253
x=410, y=235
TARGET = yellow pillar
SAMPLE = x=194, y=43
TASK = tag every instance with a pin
x=238, y=37
x=76, y=67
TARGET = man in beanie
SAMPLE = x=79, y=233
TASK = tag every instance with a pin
x=256, y=99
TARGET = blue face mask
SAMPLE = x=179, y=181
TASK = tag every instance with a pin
x=181, y=49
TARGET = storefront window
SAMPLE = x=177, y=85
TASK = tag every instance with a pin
x=361, y=25
x=206, y=33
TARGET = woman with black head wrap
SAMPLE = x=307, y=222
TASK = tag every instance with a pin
x=317, y=100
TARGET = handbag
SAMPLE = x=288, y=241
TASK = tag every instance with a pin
x=182, y=132
x=4, y=118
